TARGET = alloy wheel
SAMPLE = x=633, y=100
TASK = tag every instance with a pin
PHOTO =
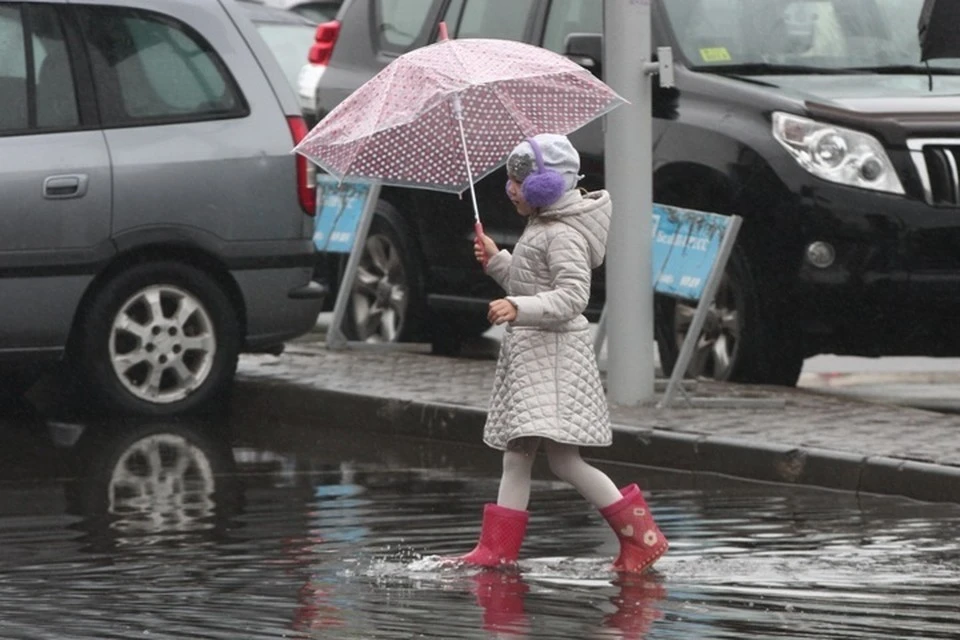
x=162, y=344
x=380, y=292
x=718, y=346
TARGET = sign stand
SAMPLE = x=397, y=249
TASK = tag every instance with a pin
x=345, y=211
x=690, y=253
x=703, y=306
x=599, y=339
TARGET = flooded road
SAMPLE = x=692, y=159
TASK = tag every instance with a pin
x=191, y=530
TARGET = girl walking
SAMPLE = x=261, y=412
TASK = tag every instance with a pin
x=547, y=393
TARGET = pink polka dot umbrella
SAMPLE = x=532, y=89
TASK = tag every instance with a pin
x=448, y=114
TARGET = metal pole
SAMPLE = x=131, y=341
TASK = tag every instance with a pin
x=458, y=114
x=629, y=151
x=601, y=335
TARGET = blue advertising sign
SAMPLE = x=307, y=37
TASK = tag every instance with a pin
x=686, y=244
x=340, y=206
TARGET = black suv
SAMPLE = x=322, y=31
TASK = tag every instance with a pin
x=811, y=119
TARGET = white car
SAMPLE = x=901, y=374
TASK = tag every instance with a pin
x=288, y=35
x=290, y=46
x=308, y=80
x=316, y=10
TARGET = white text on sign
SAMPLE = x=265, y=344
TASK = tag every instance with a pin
x=690, y=242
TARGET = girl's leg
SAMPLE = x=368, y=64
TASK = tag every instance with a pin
x=505, y=523
x=515, y=481
x=593, y=484
x=626, y=511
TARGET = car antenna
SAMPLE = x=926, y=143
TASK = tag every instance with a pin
x=929, y=76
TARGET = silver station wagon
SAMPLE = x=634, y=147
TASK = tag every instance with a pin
x=153, y=221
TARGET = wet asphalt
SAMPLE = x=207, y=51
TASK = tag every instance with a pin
x=228, y=528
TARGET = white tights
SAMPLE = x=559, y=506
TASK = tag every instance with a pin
x=565, y=462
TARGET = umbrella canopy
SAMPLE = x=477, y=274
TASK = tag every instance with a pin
x=441, y=116
x=939, y=33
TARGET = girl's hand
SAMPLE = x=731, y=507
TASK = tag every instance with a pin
x=484, y=248
x=501, y=311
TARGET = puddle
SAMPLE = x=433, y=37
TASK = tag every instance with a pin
x=172, y=531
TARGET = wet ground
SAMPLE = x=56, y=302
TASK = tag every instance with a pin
x=201, y=530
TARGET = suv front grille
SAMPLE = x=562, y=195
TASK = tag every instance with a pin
x=938, y=162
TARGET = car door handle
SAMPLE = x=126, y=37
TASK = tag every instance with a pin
x=67, y=186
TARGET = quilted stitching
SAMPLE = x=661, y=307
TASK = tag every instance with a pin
x=547, y=382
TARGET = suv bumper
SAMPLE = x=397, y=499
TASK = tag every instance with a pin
x=886, y=291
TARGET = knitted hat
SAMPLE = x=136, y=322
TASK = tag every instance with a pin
x=558, y=155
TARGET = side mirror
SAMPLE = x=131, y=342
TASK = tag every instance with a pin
x=586, y=49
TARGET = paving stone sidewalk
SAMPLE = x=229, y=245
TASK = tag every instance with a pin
x=799, y=436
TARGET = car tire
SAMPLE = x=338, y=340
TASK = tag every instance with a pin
x=740, y=341
x=158, y=339
x=386, y=299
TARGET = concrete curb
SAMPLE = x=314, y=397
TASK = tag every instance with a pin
x=269, y=402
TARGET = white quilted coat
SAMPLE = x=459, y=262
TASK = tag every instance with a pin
x=547, y=382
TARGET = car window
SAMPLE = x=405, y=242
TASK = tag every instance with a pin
x=289, y=44
x=318, y=11
x=149, y=68
x=452, y=15
x=13, y=71
x=48, y=86
x=571, y=16
x=830, y=34
x=56, y=95
x=503, y=19
x=400, y=22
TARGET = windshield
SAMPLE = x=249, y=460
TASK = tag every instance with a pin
x=770, y=36
x=290, y=44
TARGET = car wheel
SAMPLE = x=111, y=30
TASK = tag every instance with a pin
x=385, y=300
x=719, y=349
x=739, y=341
x=159, y=339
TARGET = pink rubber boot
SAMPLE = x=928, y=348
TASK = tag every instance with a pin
x=500, y=537
x=641, y=541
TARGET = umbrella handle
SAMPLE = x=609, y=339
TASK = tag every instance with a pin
x=478, y=229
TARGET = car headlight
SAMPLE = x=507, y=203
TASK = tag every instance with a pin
x=836, y=154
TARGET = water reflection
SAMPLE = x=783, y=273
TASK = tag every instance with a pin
x=142, y=484
x=198, y=529
x=632, y=608
x=637, y=607
x=501, y=594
